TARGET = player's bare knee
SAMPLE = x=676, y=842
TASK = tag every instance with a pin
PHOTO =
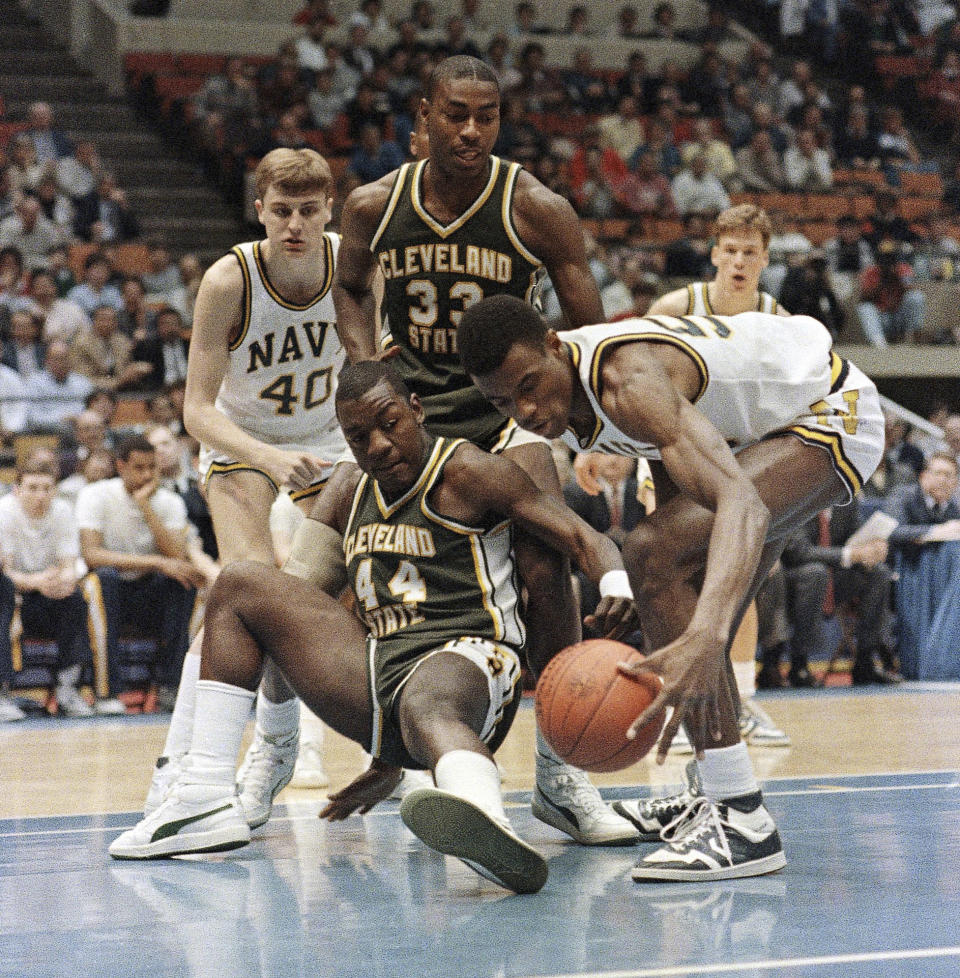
x=651, y=562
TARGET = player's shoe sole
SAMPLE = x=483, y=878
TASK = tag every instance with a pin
x=455, y=827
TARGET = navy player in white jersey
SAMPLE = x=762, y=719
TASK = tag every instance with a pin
x=261, y=378
x=753, y=425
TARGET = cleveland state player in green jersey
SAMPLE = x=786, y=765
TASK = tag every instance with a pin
x=421, y=532
x=442, y=234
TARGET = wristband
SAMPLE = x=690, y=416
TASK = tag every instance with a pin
x=615, y=584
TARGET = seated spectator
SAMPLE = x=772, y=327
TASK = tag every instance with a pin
x=605, y=162
x=106, y=215
x=788, y=246
x=39, y=548
x=627, y=24
x=689, y=256
x=806, y=167
x=595, y=194
x=61, y=318
x=288, y=133
x=174, y=472
x=926, y=546
x=24, y=169
x=664, y=24
x=808, y=291
x=134, y=319
x=133, y=537
x=695, y=188
x=792, y=91
x=286, y=91
x=891, y=308
x=13, y=406
x=89, y=434
x=856, y=144
x=585, y=87
x=165, y=352
x=374, y=19
x=519, y=138
x=665, y=153
x=738, y=117
x=763, y=83
x=104, y=355
x=848, y=256
x=162, y=277
x=358, y=53
x=935, y=253
x=50, y=144
x=226, y=104
x=456, y=41
x=373, y=156
x=896, y=147
x=24, y=351
x=499, y=60
x=14, y=281
x=325, y=105
x=58, y=265
x=367, y=106
x=30, y=231
x=6, y=190
x=645, y=191
x=715, y=30
x=764, y=120
x=540, y=86
x=95, y=290
x=55, y=206
x=310, y=46
x=638, y=82
x=473, y=19
x=622, y=131
x=98, y=465
x=759, y=167
x=707, y=84
x=525, y=20
x=77, y=174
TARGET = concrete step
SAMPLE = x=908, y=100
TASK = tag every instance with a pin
x=128, y=143
x=195, y=202
x=21, y=37
x=168, y=171
x=49, y=88
x=83, y=114
x=39, y=61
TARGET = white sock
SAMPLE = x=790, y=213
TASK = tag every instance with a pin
x=311, y=727
x=727, y=772
x=545, y=751
x=68, y=677
x=222, y=712
x=746, y=675
x=181, y=720
x=472, y=776
x=278, y=719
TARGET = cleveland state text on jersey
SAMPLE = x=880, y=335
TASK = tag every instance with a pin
x=391, y=538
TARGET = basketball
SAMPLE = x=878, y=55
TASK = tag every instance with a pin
x=584, y=706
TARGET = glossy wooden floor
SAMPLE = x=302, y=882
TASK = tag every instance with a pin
x=867, y=801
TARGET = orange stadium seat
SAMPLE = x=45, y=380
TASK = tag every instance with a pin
x=141, y=63
x=922, y=184
x=201, y=64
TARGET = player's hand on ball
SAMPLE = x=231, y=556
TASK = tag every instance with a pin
x=363, y=792
x=614, y=617
x=695, y=684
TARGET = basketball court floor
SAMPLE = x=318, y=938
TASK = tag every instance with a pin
x=867, y=801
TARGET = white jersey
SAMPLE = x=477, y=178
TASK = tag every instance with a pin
x=759, y=374
x=698, y=301
x=280, y=382
x=31, y=545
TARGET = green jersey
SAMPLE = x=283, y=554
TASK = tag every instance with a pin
x=432, y=272
x=422, y=579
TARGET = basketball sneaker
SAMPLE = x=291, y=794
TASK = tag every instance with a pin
x=72, y=704
x=165, y=772
x=456, y=827
x=652, y=815
x=757, y=729
x=716, y=840
x=565, y=799
x=192, y=818
x=266, y=770
x=308, y=772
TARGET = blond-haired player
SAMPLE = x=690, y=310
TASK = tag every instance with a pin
x=263, y=362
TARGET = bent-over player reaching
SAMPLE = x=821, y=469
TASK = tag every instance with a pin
x=754, y=425
x=423, y=536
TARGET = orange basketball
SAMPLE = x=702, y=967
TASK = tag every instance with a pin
x=584, y=706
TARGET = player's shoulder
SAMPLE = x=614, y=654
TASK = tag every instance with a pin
x=225, y=273
x=369, y=199
x=531, y=196
x=673, y=303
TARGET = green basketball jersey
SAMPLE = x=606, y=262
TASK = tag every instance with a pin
x=422, y=579
x=432, y=272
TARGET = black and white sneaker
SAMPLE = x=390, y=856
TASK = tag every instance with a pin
x=716, y=840
x=652, y=815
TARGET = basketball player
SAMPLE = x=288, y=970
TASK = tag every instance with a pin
x=444, y=233
x=740, y=254
x=422, y=533
x=807, y=430
x=262, y=372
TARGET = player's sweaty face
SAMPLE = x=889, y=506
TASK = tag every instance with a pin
x=294, y=222
x=384, y=433
x=739, y=259
x=463, y=120
x=530, y=386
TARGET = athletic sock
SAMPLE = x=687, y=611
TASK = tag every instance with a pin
x=181, y=720
x=726, y=772
x=746, y=675
x=69, y=677
x=311, y=727
x=277, y=719
x=545, y=751
x=222, y=712
x=475, y=778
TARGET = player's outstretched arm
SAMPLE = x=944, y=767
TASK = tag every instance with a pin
x=353, y=295
x=550, y=228
x=671, y=304
x=495, y=484
x=217, y=315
